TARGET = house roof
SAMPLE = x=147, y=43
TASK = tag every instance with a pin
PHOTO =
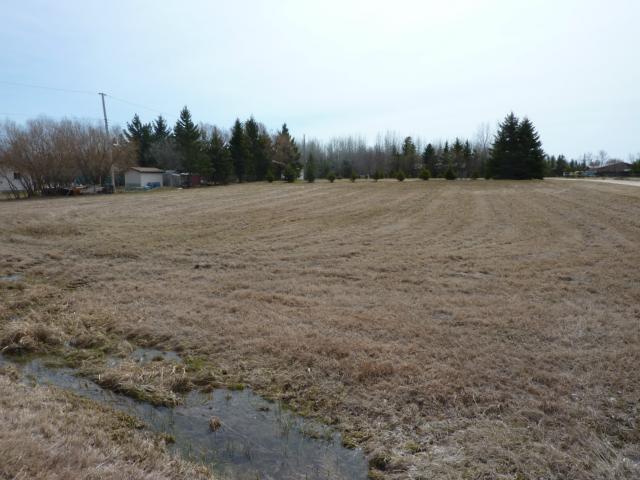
x=612, y=167
x=146, y=169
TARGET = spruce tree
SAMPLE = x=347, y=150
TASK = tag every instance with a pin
x=139, y=134
x=220, y=158
x=429, y=157
x=505, y=155
x=467, y=157
x=516, y=152
x=187, y=136
x=259, y=145
x=409, y=155
x=285, y=152
x=240, y=152
x=161, y=129
x=530, y=150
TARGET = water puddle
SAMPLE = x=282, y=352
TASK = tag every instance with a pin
x=14, y=277
x=256, y=439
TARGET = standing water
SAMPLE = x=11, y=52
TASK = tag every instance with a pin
x=257, y=439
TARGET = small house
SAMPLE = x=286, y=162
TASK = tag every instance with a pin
x=143, y=177
x=613, y=169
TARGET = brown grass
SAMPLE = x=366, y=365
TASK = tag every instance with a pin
x=48, y=434
x=453, y=329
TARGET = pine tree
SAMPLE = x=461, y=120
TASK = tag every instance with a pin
x=429, y=157
x=516, y=151
x=161, y=129
x=467, y=158
x=285, y=152
x=187, y=136
x=259, y=144
x=240, y=152
x=409, y=155
x=220, y=158
x=530, y=150
x=505, y=154
x=310, y=169
x=139, y=134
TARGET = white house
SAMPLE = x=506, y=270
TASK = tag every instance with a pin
x=10, y=181
x=136, y=177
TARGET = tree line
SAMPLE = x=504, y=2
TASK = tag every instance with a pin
x=248, y=152
x=51, y=155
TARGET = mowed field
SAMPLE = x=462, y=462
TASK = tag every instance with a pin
x=461, y=329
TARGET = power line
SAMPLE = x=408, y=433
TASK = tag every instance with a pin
x=67, y=90
x=135, y=104
x=84, y=92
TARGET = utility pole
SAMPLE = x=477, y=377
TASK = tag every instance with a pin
x=109, y=146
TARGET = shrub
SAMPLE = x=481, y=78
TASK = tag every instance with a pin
x=424, y=174
x=450, y=174
x=331, y=177
x=354, y=176
x=475, y=175
x=400, y=176
x=270, y=177
x=290, y=173
x=377, y=175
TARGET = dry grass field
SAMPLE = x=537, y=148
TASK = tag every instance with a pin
x=468, y=330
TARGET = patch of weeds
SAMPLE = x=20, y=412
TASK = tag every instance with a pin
x=380, y=461
x=167, y=438
x=354, y=439
x=180, y=385
x=76, y=358
x=375, y=475
x=130, y=421
x=412, y=447
x=316, y=433
x=195, y=364
x=236, y=386
x=10, y=285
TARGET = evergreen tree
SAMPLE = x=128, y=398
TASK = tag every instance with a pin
x=139, y=134
x=456, y=161
x=467, y=158
x=505, y=155
x=240, y=151
x=220, y=158
x=187, y=136
x=530, y=150
x=161, y=129
x=409, y=155
x=424, y=174
x=517, y=151
x=285, y=152
x=429, y=157
x=444, y=160
x=310, y=169
x=259, y=145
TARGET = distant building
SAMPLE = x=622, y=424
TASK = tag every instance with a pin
x=613, y=169
x=10, y=181
x=143, y=177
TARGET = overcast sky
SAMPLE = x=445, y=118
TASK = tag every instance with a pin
x=335, y=67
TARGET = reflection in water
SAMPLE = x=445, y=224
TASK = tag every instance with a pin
x=258, y=439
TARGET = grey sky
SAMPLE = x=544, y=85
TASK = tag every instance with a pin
x=429, y=68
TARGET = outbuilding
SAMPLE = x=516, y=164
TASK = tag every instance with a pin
x=612, y=169
x=143, y=177
x=11, y=181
